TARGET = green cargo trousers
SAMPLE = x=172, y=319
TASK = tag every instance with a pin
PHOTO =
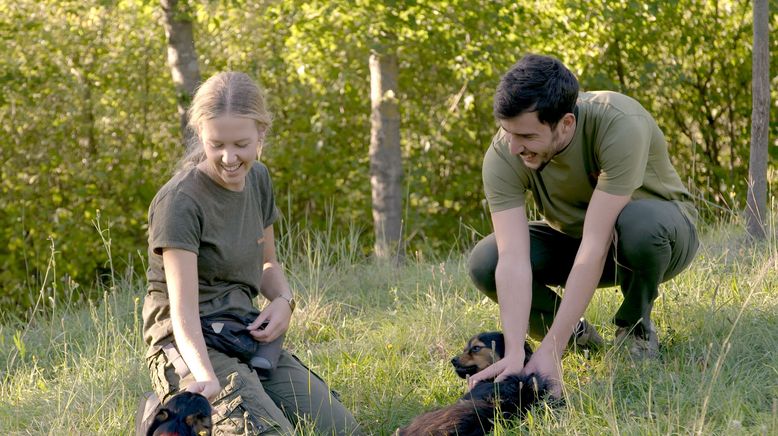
x=251, y=403
x=654, y=241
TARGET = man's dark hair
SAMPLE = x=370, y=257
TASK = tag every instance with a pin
x=539, y=84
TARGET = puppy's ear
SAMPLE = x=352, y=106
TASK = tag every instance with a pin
x=498, y=339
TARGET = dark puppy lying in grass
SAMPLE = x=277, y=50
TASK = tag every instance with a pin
x=185, y=414
x=474, y=413
x=481, y=351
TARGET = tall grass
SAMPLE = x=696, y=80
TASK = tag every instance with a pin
x=382, y=337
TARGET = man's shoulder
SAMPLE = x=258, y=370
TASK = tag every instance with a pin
x=498, y=153
x=610, y=104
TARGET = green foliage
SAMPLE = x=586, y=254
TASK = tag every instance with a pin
x=85, y=129
x=89, y=122
x=690, y=63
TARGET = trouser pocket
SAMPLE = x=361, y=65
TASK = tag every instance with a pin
x=167, y=369
x=238, y=411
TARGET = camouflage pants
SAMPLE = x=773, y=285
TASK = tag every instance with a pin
x=251, y=403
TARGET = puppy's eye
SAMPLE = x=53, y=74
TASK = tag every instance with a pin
x=475, y=349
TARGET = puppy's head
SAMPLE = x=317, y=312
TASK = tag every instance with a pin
x=183, y=415
x=481, y=351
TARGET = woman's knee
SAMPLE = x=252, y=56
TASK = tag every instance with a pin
x=243, y=406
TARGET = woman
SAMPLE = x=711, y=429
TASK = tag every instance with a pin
x=212, y=251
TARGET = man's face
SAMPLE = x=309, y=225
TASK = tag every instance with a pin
x=534, y=142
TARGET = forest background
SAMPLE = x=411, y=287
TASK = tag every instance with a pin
x=90, y=128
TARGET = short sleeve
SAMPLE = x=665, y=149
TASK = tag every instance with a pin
x=623, y=154
x=503, y=186
x=267, y=200
x=175, y=222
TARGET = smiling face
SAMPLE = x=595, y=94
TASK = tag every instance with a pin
x=535, y=142
x=231, y=146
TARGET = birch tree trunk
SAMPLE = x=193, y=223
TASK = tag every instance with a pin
x=756, y=209
x=386, y=171
x=181, y=54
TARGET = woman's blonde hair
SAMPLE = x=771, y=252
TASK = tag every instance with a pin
x=225, y=93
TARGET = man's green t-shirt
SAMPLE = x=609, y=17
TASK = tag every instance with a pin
x=617, y=147
x=224, y=228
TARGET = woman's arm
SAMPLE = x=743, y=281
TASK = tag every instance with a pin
x=275, y=288
x=181, y=277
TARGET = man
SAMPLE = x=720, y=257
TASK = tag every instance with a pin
x=615, y=212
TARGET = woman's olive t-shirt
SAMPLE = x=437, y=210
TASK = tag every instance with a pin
x=224, y=228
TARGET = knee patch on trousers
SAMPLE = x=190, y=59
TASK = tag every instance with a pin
x=235, y=414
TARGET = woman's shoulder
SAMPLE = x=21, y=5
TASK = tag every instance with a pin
x=178, y=186
x=260, y=174
x=259, y=168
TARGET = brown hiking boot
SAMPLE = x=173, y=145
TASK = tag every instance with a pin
x=586, y=336
x=639, y=348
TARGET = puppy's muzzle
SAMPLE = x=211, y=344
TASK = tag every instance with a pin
x=463, y=371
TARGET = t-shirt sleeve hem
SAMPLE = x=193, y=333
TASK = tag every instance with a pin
x=273, y=218
x=614, y=189
x=505, y=205
x=157, y=247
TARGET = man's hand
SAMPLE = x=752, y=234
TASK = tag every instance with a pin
x=499, y=370
x=546, y=363
x=208, y=388
x=277, y=314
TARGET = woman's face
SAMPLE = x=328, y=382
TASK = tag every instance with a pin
x=231, y=145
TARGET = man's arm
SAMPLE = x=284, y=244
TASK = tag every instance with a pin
x=587, y=269
x=513, y=278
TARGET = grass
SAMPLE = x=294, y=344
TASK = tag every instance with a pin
x=382, y=336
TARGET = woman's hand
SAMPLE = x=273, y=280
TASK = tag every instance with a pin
x=277, y=314
x=274, y=284
x=499, y=370
x=548, y=365
x=208, y=388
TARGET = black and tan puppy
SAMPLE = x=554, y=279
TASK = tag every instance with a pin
x=481, y=351
x=474, y=413
x=185, y=414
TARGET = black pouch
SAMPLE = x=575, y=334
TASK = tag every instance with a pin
x=227, y=333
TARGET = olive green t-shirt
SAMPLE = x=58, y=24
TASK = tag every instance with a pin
x=224, y=228
x=617, y=147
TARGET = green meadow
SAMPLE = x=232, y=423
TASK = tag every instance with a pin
x=382, y=336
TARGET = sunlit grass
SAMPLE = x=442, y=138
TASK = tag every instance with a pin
x=382, y=337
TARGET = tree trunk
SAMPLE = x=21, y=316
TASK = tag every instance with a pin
x=386, y=171
x=756, y=210
x=181, y=54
